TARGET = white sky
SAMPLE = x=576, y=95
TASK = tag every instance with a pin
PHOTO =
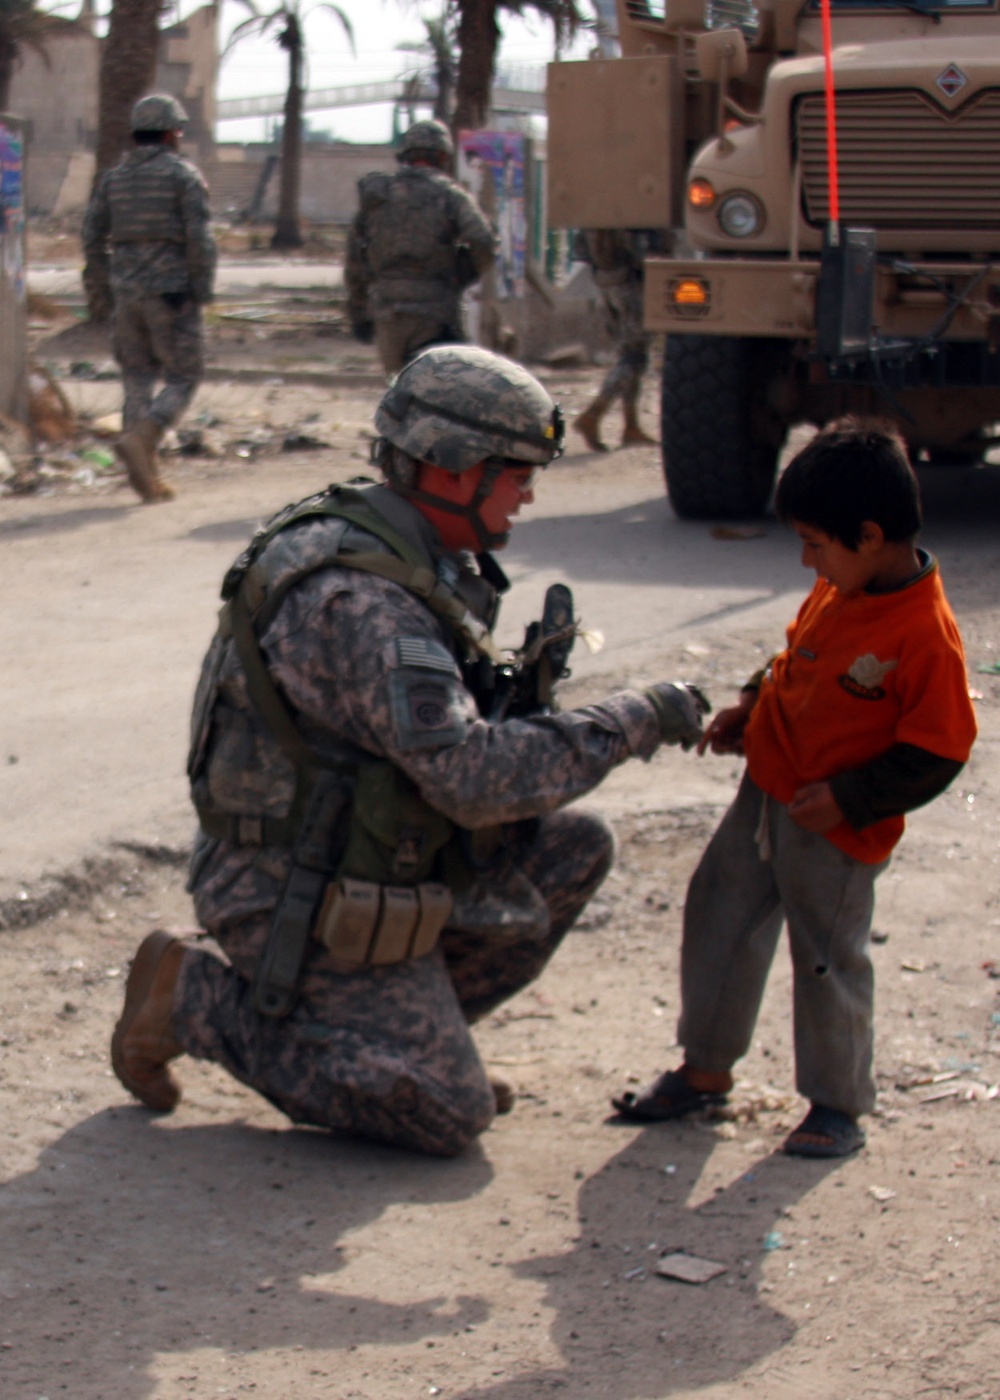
x=259, y=67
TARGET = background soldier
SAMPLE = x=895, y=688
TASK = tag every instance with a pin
x=418, y=240
x=383, y=853
x=616, y=256
x=150, y=256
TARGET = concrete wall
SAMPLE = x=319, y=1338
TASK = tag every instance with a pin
x=58, y=104
x=58, y=101
x=188, y=66
x=13, y=349
x=330, y=176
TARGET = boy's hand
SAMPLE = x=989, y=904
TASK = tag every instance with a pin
x=814, y=808
x=725, y=733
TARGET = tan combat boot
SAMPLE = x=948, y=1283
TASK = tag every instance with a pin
x=137, y=450
x=588, y=424
x=143, y=1042
x=633, y=436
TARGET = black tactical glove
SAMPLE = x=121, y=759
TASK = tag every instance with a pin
x=680, y=709
x=465, y=268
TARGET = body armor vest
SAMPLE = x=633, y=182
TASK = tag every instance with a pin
x=373, y=864
x=276, y=560
x=142, y=199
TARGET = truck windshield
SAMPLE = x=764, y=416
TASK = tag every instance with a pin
x=733, y=14
x=920, y=7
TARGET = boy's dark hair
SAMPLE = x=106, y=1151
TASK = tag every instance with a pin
x=853, y=470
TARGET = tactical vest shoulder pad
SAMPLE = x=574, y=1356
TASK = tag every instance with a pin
x=373, y=190
x=323, y=503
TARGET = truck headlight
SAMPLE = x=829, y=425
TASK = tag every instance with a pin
x=740, y=215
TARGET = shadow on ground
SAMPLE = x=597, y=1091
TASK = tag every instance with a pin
x=133, y=1238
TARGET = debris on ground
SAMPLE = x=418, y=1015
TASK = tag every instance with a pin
x=49, y=412
x=688, y=1268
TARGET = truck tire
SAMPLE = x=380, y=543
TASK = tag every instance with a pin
x=716, y=460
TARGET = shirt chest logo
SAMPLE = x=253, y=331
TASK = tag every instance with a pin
x=865, y=675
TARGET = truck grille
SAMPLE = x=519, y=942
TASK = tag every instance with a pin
x=903, y=162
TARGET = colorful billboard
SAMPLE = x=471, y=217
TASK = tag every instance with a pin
x=492, y=165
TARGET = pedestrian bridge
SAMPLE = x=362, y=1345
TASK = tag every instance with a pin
x=521, y=89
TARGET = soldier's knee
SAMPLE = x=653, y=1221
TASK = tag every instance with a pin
x=597, y=840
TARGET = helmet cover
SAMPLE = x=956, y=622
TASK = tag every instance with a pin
x=455, y=405
x=158, y=112
x=430, y=137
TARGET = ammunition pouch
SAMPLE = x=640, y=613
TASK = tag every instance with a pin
x=365, y=925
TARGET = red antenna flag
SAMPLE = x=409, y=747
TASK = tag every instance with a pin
x=833, y=176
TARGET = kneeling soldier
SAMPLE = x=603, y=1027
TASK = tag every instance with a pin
x=385, y=851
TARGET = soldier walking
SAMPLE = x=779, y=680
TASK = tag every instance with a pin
x=616, y=256
x=150, y=260
x=418, y=240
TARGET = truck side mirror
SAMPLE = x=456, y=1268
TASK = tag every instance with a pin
x=720, y=54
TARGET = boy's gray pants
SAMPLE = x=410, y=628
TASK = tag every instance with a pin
x=758, y=869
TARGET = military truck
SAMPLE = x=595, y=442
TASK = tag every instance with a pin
x=712, y=128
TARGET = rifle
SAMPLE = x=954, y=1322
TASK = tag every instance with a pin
x=525, y=684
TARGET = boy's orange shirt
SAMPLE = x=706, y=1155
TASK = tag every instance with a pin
x=861, y=672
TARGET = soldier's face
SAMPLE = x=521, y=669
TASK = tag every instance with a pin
x=512, y=488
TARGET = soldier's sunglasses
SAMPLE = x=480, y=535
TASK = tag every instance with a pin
x=527, y=472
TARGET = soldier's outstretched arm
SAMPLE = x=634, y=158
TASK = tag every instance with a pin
x=401, y=697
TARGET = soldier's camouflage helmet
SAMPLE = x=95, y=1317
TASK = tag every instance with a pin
x=426, y=138
x=158, y=112
x=456, y=405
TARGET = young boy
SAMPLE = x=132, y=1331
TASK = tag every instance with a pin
x=864, y=716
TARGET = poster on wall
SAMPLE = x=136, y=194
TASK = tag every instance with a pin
x=491, y=164
x=12, y=208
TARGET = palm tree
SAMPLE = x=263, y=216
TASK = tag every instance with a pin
x=479, y=39
x=438, y=46
x=127, y=72
x=288, y=18
x=22, y=26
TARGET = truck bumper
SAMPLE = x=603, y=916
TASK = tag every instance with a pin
x=777, y=298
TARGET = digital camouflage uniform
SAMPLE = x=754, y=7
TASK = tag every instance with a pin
x=386, y=1052
x=418, y=240
x=150, y=253
x=383, y=853
x=616, y=258
x=617, y=265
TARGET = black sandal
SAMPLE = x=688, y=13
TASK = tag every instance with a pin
x=824, y=1132
x=670, y=1096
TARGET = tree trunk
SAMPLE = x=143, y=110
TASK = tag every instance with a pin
x=286, y=230
x=128, y=68
x=478, y=39
x=442, y=103
x=8, y=58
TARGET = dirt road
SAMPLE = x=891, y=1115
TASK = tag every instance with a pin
x=221, y=1253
